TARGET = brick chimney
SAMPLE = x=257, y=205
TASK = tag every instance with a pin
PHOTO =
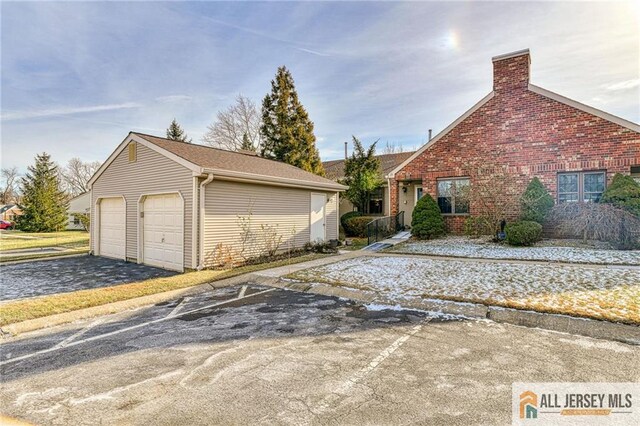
x=511, y=71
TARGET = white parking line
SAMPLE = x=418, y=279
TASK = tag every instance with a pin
x=74, y=336
x=133, y=327
x=242, y=291
x=178, y=306
x=345, y=387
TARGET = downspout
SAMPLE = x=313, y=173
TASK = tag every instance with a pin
x=202, y=213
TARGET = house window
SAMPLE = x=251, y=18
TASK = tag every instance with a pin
x=418, y=194
x=635, y=173
x=375, y=201
x=76, y=220
x=132, y=152
x=581, y=187
x=453, y=196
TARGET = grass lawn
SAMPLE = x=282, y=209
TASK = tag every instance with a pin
x=356, y=244
x=576, y=290
x=15, y=240
x=21, y=310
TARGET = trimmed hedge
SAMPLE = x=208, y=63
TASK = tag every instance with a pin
x=426, y=220
x=624, y=192
x=357, y=226
x=523, y=233
x=348, y=216
x=536, y=202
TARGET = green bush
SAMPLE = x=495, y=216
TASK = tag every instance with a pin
x=624, y=192
x=536, y=202
x=426, y=220
x=348, y=216
x=523, y=233
x=476, y=226
x=357, y=226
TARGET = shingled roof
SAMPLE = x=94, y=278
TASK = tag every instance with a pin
x=221, y=161
x=334, y=169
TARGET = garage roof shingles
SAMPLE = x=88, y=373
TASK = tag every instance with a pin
x=220, y=159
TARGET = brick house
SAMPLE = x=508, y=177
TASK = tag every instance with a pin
x=526, y=131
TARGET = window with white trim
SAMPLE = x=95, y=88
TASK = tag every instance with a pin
x=453, y=196
x=581, y=186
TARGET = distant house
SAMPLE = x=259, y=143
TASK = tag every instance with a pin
x=179, y=205
x=10, y=211
x=529, y=131
x=78, y=205
x=379, y=202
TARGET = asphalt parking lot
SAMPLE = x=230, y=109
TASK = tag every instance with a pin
x=251, y=354
x=35, y=278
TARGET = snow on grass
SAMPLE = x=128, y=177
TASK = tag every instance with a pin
x=466, y=247
x=594, y=292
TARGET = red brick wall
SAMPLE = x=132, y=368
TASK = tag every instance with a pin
x=530, y=134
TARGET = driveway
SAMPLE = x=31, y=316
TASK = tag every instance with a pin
x=43, y=277
x=260, y=355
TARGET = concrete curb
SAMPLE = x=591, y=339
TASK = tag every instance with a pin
x=42, y=259
x=563, y=323
x=629, y=334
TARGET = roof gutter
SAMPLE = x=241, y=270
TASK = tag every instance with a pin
x=201, y=232
x=270, y=180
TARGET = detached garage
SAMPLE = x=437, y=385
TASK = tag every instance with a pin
x=174, y=205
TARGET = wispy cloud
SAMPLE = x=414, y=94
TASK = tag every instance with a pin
x=173, y=98
x=624, y=85
x=313, y=52
x=22, y=115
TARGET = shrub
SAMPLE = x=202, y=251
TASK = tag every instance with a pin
x=348, y=216
x=357, y=226
x=624, y=192
x=426, y=220
x=523, y=233
x=535, y=202
x=473, y=226
x=594, y=221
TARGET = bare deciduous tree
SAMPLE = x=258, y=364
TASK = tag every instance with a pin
x=392, y=148
x=235, y=126
x=494, y=195
x=76, y=175
x=9, y=192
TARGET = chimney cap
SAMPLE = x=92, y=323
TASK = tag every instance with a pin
x=510, y=55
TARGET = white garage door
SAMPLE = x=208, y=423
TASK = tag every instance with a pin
x=112, y=228
x=163, y=231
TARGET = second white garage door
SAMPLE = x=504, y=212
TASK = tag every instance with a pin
x=162, y=231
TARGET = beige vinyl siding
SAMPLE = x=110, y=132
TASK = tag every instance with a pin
x=286, y=209
x=150, y=173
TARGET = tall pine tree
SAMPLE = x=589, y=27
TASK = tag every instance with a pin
x=175, y=133
x=286, y=129
x=43, y=201
x=246, y=143
x=362, y=175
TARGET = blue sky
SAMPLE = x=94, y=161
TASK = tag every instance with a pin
x=77, y=77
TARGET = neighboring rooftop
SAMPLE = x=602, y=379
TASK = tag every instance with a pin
x=219, y=159
x=334, y=169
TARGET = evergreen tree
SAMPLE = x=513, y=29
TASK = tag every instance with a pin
x=535, y=202
x=175, y=133
x=44, y=203
x=361, y=175
x=623, y=192
x=426, y=220
x=246, y=143
x=287, y=131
